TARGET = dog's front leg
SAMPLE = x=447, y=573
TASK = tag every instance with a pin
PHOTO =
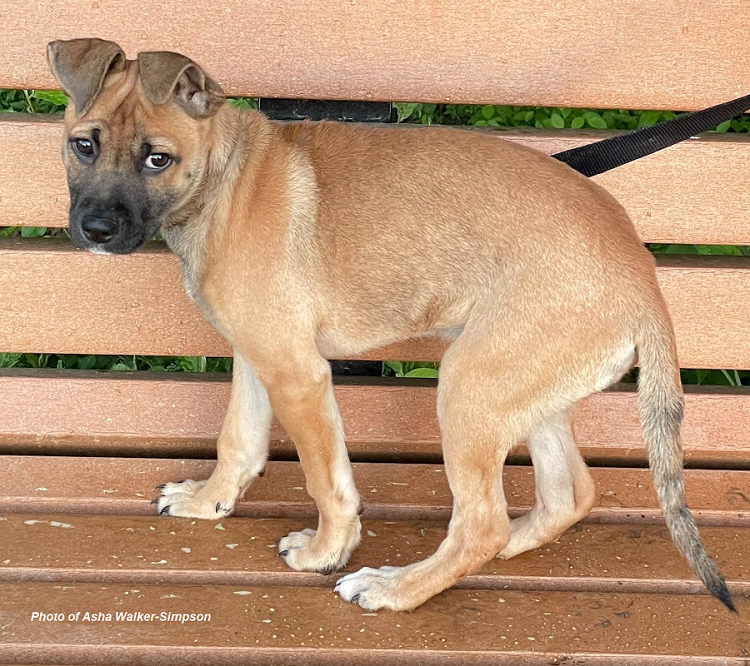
x=302, y=398
x=242, y=450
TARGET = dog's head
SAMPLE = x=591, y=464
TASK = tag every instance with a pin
x=134, y=143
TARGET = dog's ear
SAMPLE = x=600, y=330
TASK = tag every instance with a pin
x=80, y=67
x=167, y=76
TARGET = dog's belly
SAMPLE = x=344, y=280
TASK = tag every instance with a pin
x=335, y=344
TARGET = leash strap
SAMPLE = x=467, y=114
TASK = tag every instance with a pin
x=596, y=158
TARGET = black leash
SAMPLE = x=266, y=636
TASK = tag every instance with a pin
x=610, y=153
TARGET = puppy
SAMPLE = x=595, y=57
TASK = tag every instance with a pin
x=309, y=241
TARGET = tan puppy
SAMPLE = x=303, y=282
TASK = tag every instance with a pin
x=303, y=242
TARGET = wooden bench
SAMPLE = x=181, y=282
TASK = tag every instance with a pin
x=82, y=451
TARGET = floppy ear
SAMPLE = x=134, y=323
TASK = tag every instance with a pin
x=80, y=67
x=167, y=76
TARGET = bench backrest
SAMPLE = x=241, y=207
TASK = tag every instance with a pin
x=670, y=55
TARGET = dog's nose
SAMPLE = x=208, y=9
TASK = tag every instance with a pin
x=99, y=229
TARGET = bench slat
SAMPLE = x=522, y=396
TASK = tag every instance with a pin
x=125, y=486
x=179, y=415
x=155, y=550
x=140, y=306
x=638, y=56
x=469, y=626
x=692, y=193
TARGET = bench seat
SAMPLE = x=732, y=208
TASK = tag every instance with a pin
x=82, y=451
x=79, y=534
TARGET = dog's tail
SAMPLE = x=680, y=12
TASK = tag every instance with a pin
x=660, y=404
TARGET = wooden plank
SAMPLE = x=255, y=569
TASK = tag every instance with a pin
x=659, y=191
x=669, y=55
x=35, y=190
x=141, y=308
x=182, y=415
x=155, y=550
x=144, y=414
x=125, y=486
x=262, y=625
x=154, y=314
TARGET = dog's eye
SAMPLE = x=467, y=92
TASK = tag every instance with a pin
x=83, y=147
x=158, y=161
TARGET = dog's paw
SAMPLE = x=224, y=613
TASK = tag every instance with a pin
x=304, y=551
x=373, y=589
x=188, y=499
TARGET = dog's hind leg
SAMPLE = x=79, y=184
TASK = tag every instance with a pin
x=485, y=406
x=242, y=451
x=565, y=491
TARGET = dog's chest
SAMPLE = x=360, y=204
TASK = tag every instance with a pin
x=188, y=243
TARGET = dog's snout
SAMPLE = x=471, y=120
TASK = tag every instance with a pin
x=99, y=229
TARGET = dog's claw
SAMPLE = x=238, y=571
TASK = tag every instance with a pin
x=161, y=487
x=154, y=501
x=355, y=599
x=283, y=553
x=164, y=511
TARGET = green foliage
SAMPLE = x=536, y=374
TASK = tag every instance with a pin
x=716, y=377
x=243, y=102
x=709, y=250
x=543, y=117
x=54, y=101
x=703, y=377
x=32, y=101
x=33, y=232
x=132, y=363
x=410, y=369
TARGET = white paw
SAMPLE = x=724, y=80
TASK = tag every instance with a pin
x=302, y=551
x=184, y=499
x=372, y=589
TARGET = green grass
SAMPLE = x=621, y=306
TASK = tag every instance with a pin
x=40, y=101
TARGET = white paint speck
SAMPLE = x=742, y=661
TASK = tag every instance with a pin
x=52, y=523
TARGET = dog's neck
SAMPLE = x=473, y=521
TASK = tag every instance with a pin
x=236, y=137
x=229, y=144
